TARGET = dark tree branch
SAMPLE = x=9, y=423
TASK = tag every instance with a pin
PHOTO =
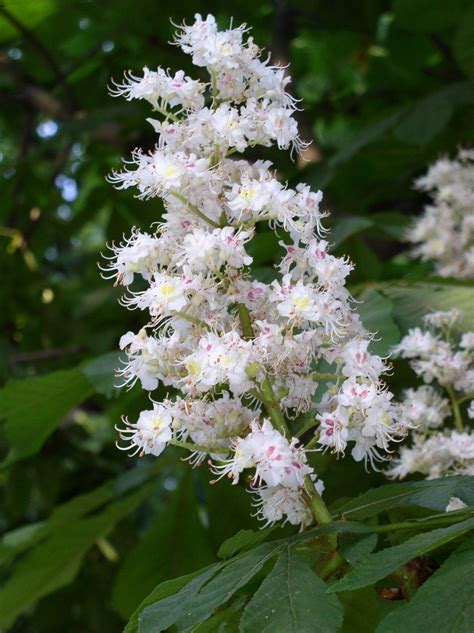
x=284, y=25
x=43, y=51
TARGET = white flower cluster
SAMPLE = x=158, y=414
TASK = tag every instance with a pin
x=438, y=355
x=243, y=355
x=444, y=233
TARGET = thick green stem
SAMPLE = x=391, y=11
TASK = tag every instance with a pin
x=456, y=410
x=469, y=396
x=168, y=115
x=191, y=319
x=267, y=396
x=317, y=376
x=273, y=407
x=192, y=207
x=197, y=447
x=318, y=507
x=307, y=427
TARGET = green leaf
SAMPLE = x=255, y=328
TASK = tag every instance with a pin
x=292, y=599
x=34, y=407
x=433, y=494
x=355, y=548
x=413, y=301
x=164, y=590
x=20, y=539
x=426, y=16
x=101, y=373
x=444, y=603
x=428, y=117
x=348, y=226
x=364, y=137
x=376, y=313
x=391, y=223
x=55, y=562
x=244, y=539
x=161, y=614
x=177, y=529
x=30, y=12
x=361, y=610
x=225, y=620
x=193, y=605
x=463, y=48
x=379, y=565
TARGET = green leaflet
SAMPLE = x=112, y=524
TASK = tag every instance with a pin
x=164, y=590
x=34, y=407
x=444, y=603
x=55, y=562
x=354, y=547
x=361, y=610
x=412, y=302
x=244, y=539
x=434, y=494
x=376, y=566
x=427, y=15
x=462, y=47
x=292, y=599
x=101, y=373
x=176, y=543
x=376, y=312
x=197, y=601
x=20, y=539
x=350, y=225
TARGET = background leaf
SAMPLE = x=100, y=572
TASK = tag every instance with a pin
x=176, y=543
x=34, y=407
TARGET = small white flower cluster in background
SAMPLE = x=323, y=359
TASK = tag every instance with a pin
x=444, y=360
x=444, y=233
x=241, y=355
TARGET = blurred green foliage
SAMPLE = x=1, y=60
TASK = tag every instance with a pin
x=387, y=86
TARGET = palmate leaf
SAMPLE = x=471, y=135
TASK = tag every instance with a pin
x=292, y=599
x=21, y=539
x=427, y=16
x=413, y=301
x=376, y=312
x=444, y=603
x=244, y=539
x=361, y=610
x=56, y=561
x=379, y=565
x=34, y=407
x=101, y=373
x=199, y=599
x=464, y=36
x=176, y=543
x=162, y=591
x=434, y=495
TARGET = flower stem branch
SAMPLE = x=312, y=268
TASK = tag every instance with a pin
x=197, y=447
x=456, y=410
x=194, y=209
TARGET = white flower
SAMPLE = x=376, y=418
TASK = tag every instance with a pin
x=276, y=461
x=232, y=349
x=150, y=433
x=355, y=394
x=425, y=407
x=136, y=255
x=275, y=503
x=444, y=232
x=455, y=503
x=333, y=429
